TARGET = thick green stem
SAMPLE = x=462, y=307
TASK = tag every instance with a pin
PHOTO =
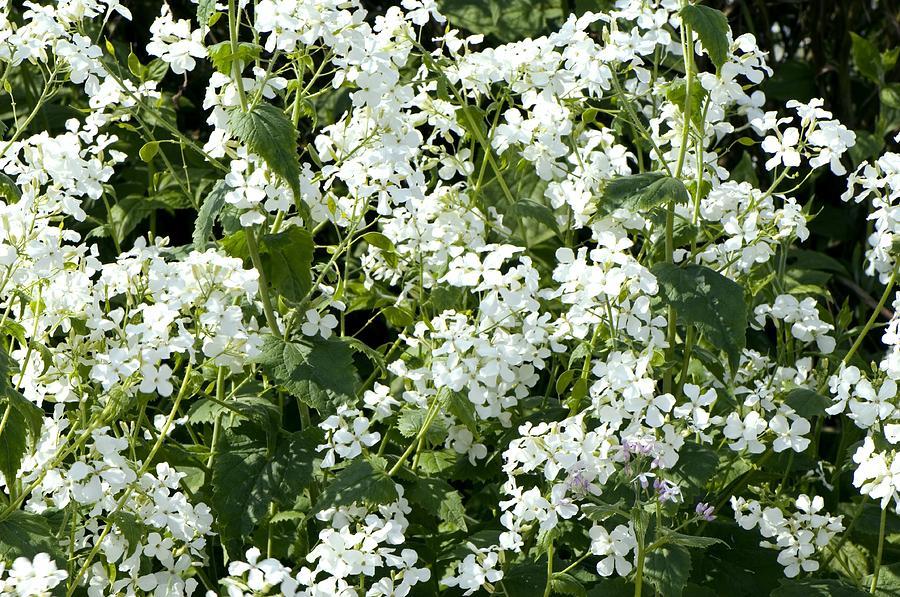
x=548, y=588
x=874, y=585
x=269, y=312
x=672, y=316
x=639, y=572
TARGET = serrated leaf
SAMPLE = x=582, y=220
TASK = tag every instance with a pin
x=816, y=587
x=319, y=372
x=249, y=474
x=25, y=534
x=13, y=441
x=463, y=409
x=223, y=55
x=436, y=462
x=130, y=527
x=642, y=192
x=668, y=569
x=525, y=579
x=209, y=211
x=808, y=403
x=677, y=94
x=287, y=260
x=268, y=133
x=711, y=26
x=260, y=411
x=528, y=208
x=696, y=466
x=410, y=422
x=708, y=300
x=359, y=482
x=440, y=499
x=566, y=584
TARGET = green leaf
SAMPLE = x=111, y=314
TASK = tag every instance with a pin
x=149, y=150
x=677, y=94
x=410, y=422
x=131, y=528
x=888, y=580
x=890, y=95
x=24, y=534
x=566, y=584
x=815, y=587
x=125, y=215
x=260, y=411
x=32, y=415
x=507, y=20
x=8, y=189
x=525, y=579
x=643, y=191
x=668, y=569
x=287, y=260
x=319, y=372
x=708, y=300
x=600, y=512
x=205, y=10
x=807, y=403
x=267, y=132
x=209, y=210
x=463, y=409
x=13, y=442
x=695, y=541
x=711, y=26
x=249, y=474
x=436, y=462
x=528, y=208
x=696, y=466
x=359, y=482
x=438, y=498
x=223, y=56
x=866, y=58
x=20, y=419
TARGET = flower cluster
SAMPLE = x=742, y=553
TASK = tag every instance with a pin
x=798, y=537
x=451, y=309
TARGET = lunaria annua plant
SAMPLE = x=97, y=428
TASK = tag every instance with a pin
x=454, y=319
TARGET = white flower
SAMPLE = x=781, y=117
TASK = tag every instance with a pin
x=317, y=325
x=35, y=577
x=783, y=147
x=790, y=434
x=475, y=571
x=156, y=379
x=175, y=43
x=745, y=432
x=615, y=547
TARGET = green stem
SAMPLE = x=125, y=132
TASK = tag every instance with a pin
x=872, y=319
x=253, y=249
x=548, y=588
x=672, y=316
x=874, y=585
x=429, y=419
x=144, y=468
x=639, y=572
